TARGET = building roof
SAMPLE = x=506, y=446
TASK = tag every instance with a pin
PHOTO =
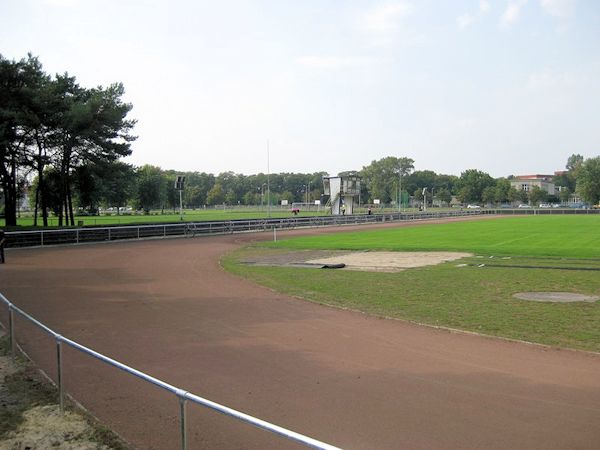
x=535, y=177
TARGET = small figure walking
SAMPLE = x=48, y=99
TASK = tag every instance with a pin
x=369, y=212
x=344, y=209
x=2, y=242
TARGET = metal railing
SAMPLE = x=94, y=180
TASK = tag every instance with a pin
x=36, y=238
x=182, y=395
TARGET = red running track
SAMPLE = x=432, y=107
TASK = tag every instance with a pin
x=166, y=307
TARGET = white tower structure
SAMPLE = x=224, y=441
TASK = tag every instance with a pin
x=341, y=193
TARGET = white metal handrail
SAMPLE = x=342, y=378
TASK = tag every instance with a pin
x=181, y=394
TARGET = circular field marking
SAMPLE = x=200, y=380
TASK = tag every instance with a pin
x=555, y=297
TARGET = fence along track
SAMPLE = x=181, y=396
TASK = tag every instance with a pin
x=62, y=236
x=182, y=395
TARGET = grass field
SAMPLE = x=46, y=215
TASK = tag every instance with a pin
x=577, y=236
x=469, y=298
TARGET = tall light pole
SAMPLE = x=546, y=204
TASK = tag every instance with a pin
x=425, y=198
x=268, y=183
x=400, y=188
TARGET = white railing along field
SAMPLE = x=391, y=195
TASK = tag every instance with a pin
x=182, y=395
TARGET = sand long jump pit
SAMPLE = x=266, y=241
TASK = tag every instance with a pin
x=370, y=261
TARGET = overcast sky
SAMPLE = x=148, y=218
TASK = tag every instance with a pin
x=508, y=87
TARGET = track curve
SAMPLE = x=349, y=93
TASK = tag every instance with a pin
x=166, y=307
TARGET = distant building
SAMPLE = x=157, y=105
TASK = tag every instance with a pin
x=341, y=193
x=527, y=182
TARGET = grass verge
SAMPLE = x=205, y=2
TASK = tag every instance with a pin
x=471, y=298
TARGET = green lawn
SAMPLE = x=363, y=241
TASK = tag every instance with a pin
x=577, y=236
x=469, y=298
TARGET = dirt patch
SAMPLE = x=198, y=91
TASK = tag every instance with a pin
x=29, y=418
x=364, y=261
x=556, y=297
x=46, y=427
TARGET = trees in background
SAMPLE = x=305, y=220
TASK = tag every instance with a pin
x=382, y=178
x=588, y=180
x=472, y=184
x=53, y=126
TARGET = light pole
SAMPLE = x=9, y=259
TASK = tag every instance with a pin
x=400, y=189
x=425, y=198
x=268, y=183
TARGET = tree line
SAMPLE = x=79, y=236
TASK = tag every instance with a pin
x=63, y=143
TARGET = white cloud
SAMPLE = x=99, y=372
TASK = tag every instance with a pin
x=562, y=9
x=512, y=12
x=465, y=20
x=549, y=79
x=62, y=3
x=333, y=62
x=385, y=18
x=385, y=24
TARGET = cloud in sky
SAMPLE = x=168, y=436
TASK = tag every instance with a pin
x=62, y=3
x=467, y=20
x=512, y=13
x=332, y=85
x=334, y=62
x=383, y=22
x=384, y=18
x=547, y=79
x=562, y=9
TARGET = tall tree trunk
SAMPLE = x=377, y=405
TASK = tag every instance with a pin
x=70, y=202
x=10, y=202
x=43, y=198
x=41, y=193
x=37, y=200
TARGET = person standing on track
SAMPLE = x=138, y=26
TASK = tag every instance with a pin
x=2, y=242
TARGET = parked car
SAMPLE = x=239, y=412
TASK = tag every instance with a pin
x=523, y=205
x=473, y=206
x=545, y=205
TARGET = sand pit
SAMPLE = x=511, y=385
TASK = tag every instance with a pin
x=388, y=261
x=363, y=261
x=555, y=297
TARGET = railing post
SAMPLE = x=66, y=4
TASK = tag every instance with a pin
x=182, y=420
x=109, y=234
x=42, y=238
x=77, y=236
x=164, y=231
x=59, y=377
x=11, y=331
